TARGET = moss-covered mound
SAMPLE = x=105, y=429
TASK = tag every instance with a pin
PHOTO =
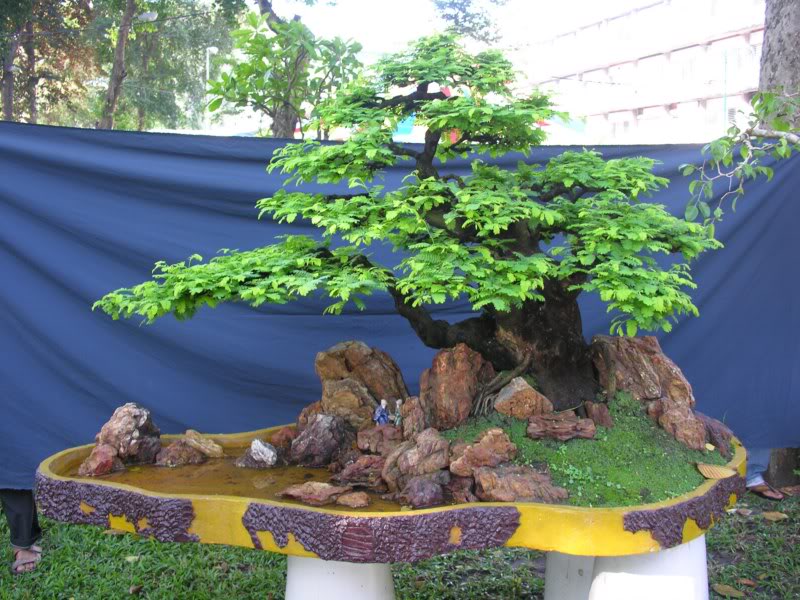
x=634, y=462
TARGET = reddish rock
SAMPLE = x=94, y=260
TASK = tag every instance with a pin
x=350, y=400
x=346, y=456
x=461, y=489
x=717, y=434
x=519, y=400
x=457, y=450
x=638, y=366
x=421, y=492
x=449, y=387
x=364, y=472
x=371, y=367
x=516, y=483
x=307, y=415
x=379, y=439
x=314, y=493
x=415, y=419
x=321, y=441
x=204, y=444
x=598, y=412
x=178, y=454
x=428, y=453
x=353, y=499
x=102, y=461
x=283, y=438
x=493, y=448
x=132, y=433
x=561, y=426
x=680, y=422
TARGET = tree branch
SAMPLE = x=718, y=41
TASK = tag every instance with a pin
x=790, y=137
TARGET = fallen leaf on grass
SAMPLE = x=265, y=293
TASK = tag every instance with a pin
x=745, y=512
x=727, y=591
x=132, y=559
x=135, y=589
x=710, y=447
x=715, y=471
x=114, y=532
x=775, y=516
x=748, y=582
x=763, y=576
x=791, y=490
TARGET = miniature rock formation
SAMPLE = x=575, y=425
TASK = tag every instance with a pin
x=421, y=492
x=307, y=414
x=414, y=418
x=283, y=438
x=519, y=400
x=363, y=472
x=717, y=434
x=205, y=445
x=380, y=439
x=516, y=483
x=561, y=426
x=102, y=461
x=314, y=493
x=492, y=448
x=322, y=439
x=178, y=454
x=132, y=433
x=598, y=412
x=260, y=455
x=428, y=453
x=353, y=500
x=348, y=399
x=449, y=387
x=461, y=489
x=680, y=422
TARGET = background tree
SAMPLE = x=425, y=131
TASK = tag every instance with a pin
x=13, y=16
x=118, y=72
x=470, y=18
x=520, y=245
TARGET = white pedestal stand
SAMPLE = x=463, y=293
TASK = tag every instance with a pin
x=313, y=578
x=676, y=573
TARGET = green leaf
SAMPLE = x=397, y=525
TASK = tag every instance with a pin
x=691, y=212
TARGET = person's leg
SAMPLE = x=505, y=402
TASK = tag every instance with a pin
x=757, y=464
x=20, y=510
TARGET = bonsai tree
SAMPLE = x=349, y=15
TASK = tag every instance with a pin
x=520, y=245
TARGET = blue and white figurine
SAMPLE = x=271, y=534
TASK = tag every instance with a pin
x=381, y=414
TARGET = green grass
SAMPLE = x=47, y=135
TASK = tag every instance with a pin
x=81, y=562
x=633, y=462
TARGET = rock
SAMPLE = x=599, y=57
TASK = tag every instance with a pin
x=371, y=367
x=461, y=489
x=260, y=455
x=350, y=400
x=421, y=492
x=353, y=499
x=380, y=439
x=102, y=461
x=457, y=450
x=415, y=419
x=345, y=457
x=308, y=414
x=364, y=472
x=637, y=365
x=321, y=441
x=680, y=422
x=178, y=454
x=314, y=493
x=449, y=387
x=205, y=445
x=519, y=400
x=516, y=483
x=598, y=412
x=283, y=438
x=561, y=426
x=493, y=448
x=132, y=433
x=428, y=453
x=717, y=434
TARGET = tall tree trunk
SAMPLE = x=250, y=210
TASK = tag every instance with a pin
x=7, y=83
x=33, y=79
x=118, y=68
x=284, y=123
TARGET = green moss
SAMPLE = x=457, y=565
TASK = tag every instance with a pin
x=634, y=462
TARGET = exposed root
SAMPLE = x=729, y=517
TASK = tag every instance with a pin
x=484, y=403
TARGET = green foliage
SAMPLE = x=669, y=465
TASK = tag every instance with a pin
x=495, y=236
x=632, y=463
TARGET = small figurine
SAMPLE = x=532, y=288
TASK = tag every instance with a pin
x=398, y=414
x=381, y=414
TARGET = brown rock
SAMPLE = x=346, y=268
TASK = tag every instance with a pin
x=371, y=367
x=421, y=492
x=428, y=453
x=102, y=461
x=717, y=434
x=519, y=400
x=461, y=489
x=680, y=422
x=639, y=367
x=283, y=438
x=493, y=448
x=457, y=449
x=598, y=412
x=353, y=499
x=350, y=400
x=449, y=387
x=415, y=419
x=132, y=433
x=516, y=483
x=321, y=441
x=178, y=454
x=205, y=445
x=561, y=426
x=364, y=472
x=314, y=493
x=307, y=415
x=345, y=457
x=379, y=439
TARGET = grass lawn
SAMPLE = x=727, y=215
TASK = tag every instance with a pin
x=82, y=562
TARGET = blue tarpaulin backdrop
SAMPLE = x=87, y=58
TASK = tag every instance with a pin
x=84, y=212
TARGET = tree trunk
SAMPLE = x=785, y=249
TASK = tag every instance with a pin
x=7, y=83
x=783, y=464
x=284, y=123
x=33, y=80
x=118, y=68
x=780, y=56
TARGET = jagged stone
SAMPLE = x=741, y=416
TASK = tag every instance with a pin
x=461, y=489
x=363, y=472
x=428, y=453
x=560, y=426
x=102, y=461
x=321, y=441
x=414, y=418
x=178, y=454
x=314, y=493
x=283, y=438
x=598, y=412
x=492, y=448
x=516, y=483
x=350, y=400
x=519, y=400
x=353, y=500
x=307, y=415
x=379, y=439
x=260, y=455
x=204, y=444
x=717, y=433
x=421, y=492
x=132, y=433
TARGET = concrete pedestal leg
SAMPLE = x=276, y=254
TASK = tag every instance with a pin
x=311, y=578
x=679, y=572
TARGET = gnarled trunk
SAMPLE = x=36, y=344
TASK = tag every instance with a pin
x=284, y=123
